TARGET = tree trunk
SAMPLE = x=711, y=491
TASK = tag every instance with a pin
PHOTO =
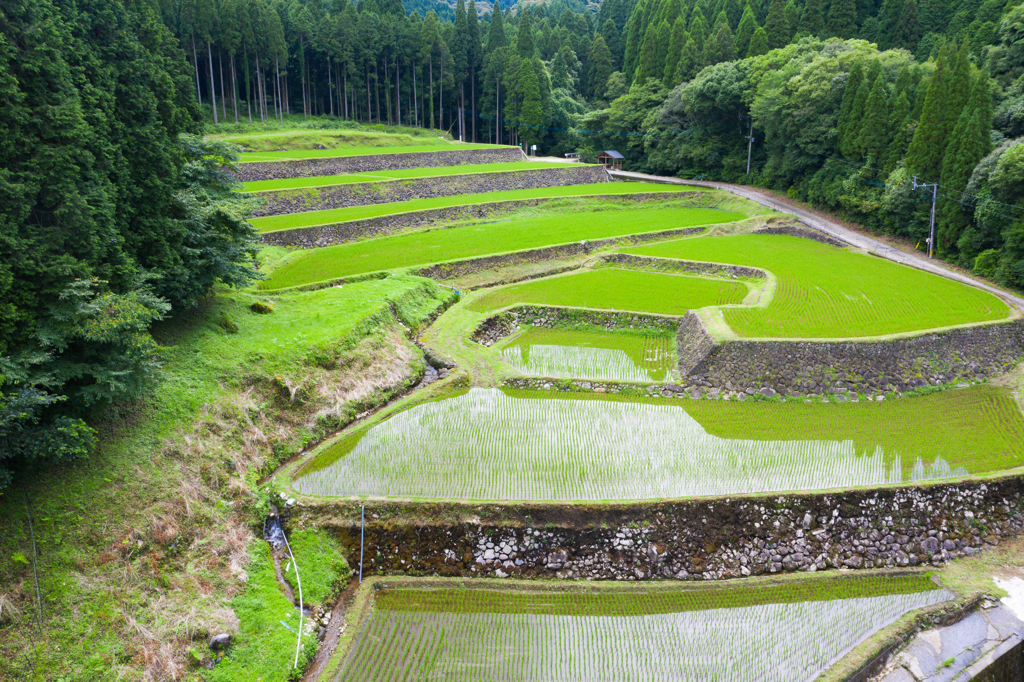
x=440, y=98
x=432, y=92
x=387, y=92
x=330, y=86
x=472, y=100
x=234, y=88
x=369, y=109
x=223, y=102
x=398, y=92
x=344, y=85
x=497, y=111
x=213, y=85
x=195, y=61
x=415, y=106
x=248, y=90
x=280, y=95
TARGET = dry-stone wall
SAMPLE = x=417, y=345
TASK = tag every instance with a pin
x=804, y=232
x=838, y=369
x=687, y=266
x=493, y=329
x=339, y=233
x=337, y=165
x=693, y=344
x=389, y=191
x=690, y=540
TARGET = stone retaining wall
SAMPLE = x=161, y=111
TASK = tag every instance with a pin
x=389, y=191
x=455, y=269
x=337, y=165
x=804, y=232
x=693, y=344
x=689, y=540
x=686, y=266
x=493, y=329
x=871, y=368
x=351, y=230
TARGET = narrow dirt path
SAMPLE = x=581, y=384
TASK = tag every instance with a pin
x=834, y=229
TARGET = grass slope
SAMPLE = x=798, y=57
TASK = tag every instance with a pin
x=467, y=241
x=400, y=174
x=139, y=554
x=338, y=215
x=618, y=289
x=827, y=292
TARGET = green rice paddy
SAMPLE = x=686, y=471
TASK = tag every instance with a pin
x=488, y=444
x=618, y=289
x=481, y=239
x=292, y=221
x=591, y=355
x=400, y=174
x=827, y=292
x=426, y=146
x=785, y=633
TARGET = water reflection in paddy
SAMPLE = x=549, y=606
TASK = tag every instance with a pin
x=494, y=444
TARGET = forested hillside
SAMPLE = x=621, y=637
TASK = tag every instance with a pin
x=847, y=101
x=113, y=212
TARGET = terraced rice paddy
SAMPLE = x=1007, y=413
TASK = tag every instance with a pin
x=400, y=174
x=618, y=289
x=486, y=444
x=338, y=215
x=780, y=633
x=481, y=239
x=591, y=355
x=426, y=146
x=827, y=292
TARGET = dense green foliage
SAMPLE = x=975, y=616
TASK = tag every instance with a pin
x=849, y=100
x=111, y=212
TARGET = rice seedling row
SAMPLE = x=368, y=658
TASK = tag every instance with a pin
x=458, y=635
x=291, y=221
x=467, y=241
x=591, y=355
x=618, y=289
x=399, y=174
x=827, y=292
x=488, y=444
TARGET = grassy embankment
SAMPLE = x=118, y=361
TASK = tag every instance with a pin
x=399, y=174
x=432, y=246
x=148, y=546
x=341, y=151
x=826, y=292
x=338, y=215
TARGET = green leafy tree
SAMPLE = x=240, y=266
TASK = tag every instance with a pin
x=776, y=25
x=613, y=40
x=675, y=51
x=842, y=19
x=849, y=143
x=873, y=136
x=812, y=21
x=924, y=157
x=745, y=31
x=599, y=67
x=901, y=127
x=524, y=39
x=531, y=112
x=907, y=32
x=719, y=47
x=689, y=61
x=758, y=43
x=30, y=435
x=847, y=114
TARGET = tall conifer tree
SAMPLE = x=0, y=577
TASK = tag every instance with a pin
x=758, y=43
x=812, y=21
x=745, y=31
x=842, y=19
x=776, y=25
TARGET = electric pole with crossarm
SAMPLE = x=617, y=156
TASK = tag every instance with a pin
x=934, y=186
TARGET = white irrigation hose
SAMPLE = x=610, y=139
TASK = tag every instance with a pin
x=295, y=565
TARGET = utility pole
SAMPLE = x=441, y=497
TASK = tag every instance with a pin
x=749, y=137
x=934, y=186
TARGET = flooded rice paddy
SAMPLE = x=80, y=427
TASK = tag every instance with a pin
x=591, y=355
x=781, y=633
x=490, y=444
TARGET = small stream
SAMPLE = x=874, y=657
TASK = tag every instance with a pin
x=273, y=533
